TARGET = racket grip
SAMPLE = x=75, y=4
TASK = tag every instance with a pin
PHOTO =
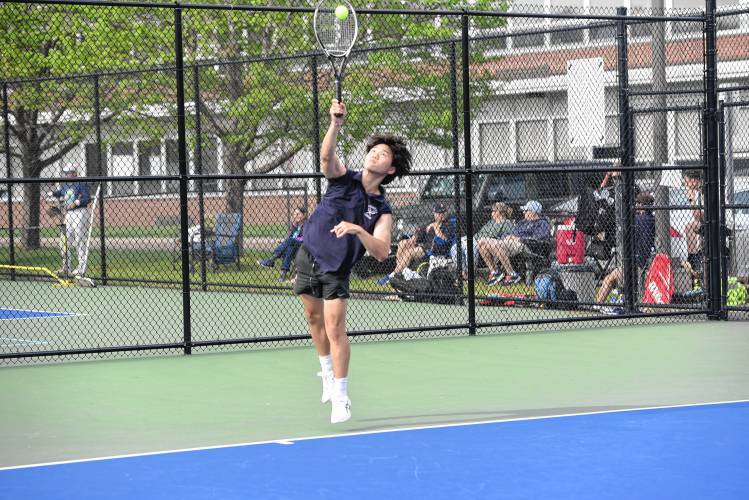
x=338, y=94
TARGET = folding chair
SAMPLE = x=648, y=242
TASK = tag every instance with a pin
x=224, y=246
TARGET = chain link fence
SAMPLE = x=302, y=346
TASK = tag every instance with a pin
x=566, y=154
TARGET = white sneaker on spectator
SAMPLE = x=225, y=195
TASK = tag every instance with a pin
x=410, y=274
x=340, y=410
x=327, y=386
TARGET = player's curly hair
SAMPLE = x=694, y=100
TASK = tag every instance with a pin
x=401, y=154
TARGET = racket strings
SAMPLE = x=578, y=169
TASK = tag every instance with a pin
x=335, y=36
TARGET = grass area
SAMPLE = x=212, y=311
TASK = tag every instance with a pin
x=166, y=231
x=163, y=265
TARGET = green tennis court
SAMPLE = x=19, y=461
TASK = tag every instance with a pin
x=112, y=316
x=72, y=411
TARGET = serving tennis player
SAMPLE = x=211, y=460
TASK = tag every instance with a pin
x=353, y=217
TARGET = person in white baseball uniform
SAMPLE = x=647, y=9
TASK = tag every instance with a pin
x=75, y=197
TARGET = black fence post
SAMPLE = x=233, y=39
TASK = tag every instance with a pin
x=103, y=185
x=316, y=127
x=182, y=159
x=724, y=250
x=712, y=205
x=199, y=171
x=456, y=162
x=468, y=170
x=9, y=174
x=629, y=269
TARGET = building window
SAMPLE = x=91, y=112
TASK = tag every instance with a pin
x=562, y=149
x=687, y=135
x=686, y=28
x=149, y=158
x=532, y=141
x=740, y=129
x=729, y=22
x=92, y=165
x=531, y=40
x=566, y=36
x=603, y=33
x=172, y=166
x=494, y=141
x=209, y=163
x=122, y=164
x=611, y=131
x=643, y=130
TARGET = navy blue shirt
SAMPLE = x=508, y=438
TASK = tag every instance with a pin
x=644, y=237
x=71, y=191
x=537, y=229
x=345, y=200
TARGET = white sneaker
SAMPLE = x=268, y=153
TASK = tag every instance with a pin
x=409, y=274
x=327, y=386
x=340, y=410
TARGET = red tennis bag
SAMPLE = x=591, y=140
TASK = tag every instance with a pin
x=659, y=283
x=570, y=245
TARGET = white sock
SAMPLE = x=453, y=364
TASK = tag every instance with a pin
x=340, y=388
x=326, y=363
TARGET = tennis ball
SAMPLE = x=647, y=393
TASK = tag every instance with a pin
x=341, y=12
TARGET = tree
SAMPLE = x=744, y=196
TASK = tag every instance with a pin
x=48, y=114
x=259, y=101
x=254, y=74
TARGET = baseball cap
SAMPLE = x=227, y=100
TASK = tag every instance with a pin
x=439, y=208
x=533, y=206
x=68, y=168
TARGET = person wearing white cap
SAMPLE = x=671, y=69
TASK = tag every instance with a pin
x=75, y=197
x=532, y=227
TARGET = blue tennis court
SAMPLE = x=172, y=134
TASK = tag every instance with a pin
x=699, y=451
x=29, y=314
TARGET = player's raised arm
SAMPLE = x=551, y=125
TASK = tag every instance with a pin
x=329, y=162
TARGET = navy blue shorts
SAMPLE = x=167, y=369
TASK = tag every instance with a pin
x=311, y=281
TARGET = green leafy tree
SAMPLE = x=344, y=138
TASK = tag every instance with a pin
x=261, y=108
x=254, y=75
x=50, y=116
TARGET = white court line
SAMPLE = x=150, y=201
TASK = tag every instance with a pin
x=291, y=441
x=22, y=341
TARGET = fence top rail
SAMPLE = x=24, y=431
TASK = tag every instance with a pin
x=436, y=12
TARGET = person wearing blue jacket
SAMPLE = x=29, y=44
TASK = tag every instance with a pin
x=435, y=239
x=74, y=197
x=531, y=227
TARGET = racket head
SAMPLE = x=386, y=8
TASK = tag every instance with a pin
x=336, y=37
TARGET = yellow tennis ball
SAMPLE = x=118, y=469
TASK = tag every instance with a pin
x=341, y=12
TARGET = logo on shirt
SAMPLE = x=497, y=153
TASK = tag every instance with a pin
x=371, y=212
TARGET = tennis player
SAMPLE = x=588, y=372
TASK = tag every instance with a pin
x=352, y=218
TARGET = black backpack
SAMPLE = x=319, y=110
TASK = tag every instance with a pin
x=440, y=288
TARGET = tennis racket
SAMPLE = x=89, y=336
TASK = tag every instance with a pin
x=336, y=29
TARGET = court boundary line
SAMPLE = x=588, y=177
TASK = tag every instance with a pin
x=50, y=314
x=21, y=341
x=290, y=441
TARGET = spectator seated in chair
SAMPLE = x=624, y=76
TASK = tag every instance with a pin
x=529, y=236
x=644, y=242
x=287, y=249
x=498, y=225
x=435, y=239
